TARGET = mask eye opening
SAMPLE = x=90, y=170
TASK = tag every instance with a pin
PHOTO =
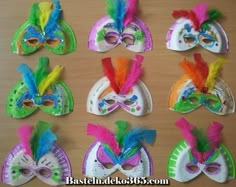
x=48, y=103
x=127, y=167
x=189, y=39
x=128, y=39
x=28, y=103
x=207, y=40
x=25, y=171
x=110, y=101
x=192, y=168
x=45, y=172
x=111, y=38
x=128, y=102
x=211, y=102
x=52, y=42
x=193, y=99
x=32, y=42
x=108, y=165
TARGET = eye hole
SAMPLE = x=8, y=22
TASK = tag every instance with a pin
x=193, y=99
x=192, y=168
x=52, y=42
x=108, y=165
x=127, y=167
x=48, y=103
x=28, y=103
x=45, y=172
x=128, y=102
x=112, y=38
x=207, y=41
x=32, y=41
x=212, y=169
x=128, y=39
x=211, y=101
x=110, y=101
x=25, y=171
x=189, y=39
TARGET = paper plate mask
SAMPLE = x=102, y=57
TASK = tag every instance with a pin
x=120, y=26
x=200, y=153
x=36, y=155
x=121, y=151
x=120, y=88
x=197, y=26
x=201, y=86
x=44, y=28
x=39, y=89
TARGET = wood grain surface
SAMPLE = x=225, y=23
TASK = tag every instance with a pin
x=83, y=69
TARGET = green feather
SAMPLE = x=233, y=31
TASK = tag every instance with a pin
x=213, y=15
x=111, y=8
x=122, y=129
x=40, y=128
x=41, y=70
x=34, y=14
x=202, y=141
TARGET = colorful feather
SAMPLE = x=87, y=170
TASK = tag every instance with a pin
x=131, y=11
x=54, y=17
x=109, y=72
x=201, y=66
x=24, y=133
x=40, y=128
x=50, y=79
x=41, y=70
x=200, y=11
x=33, y=17
x=45, y=143
x=212, y=16
x=138, y=135
x=28, y=78
x=104, y=135
x=111, y=8
x=122, y=130
x=202, y=141
x=134, y=74
x=214, y=70
x=186, y=129
x=213, y=134
x=121, y=71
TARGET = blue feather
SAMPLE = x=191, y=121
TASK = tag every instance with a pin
x=45, y=143
x=120, y=14
x=53, y=19
x=28, y=78
x=137, y=135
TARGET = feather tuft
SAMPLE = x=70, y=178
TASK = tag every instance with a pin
x=28, y=78
x=121, y=71
x=202, y=141
x=110, y=74
x=135, y=73
x=200, y=11
x=50, y=79
x=180, y=13
x=111, y=9
x=41, y=70
x=122, y=129
x=45, y=143
x=213, y=134
x=33, y=17
x=201, y=66
x=104, y=135
x=131, y=11
x=186, y=129
x=24, y=133
x=214, y=70
x=136, y=136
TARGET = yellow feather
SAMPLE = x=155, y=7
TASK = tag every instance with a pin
x=214, y=70
x=50, y=79
x=45, y=11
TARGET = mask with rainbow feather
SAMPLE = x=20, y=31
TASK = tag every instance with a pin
x=44, y=28
x=201, y=86
x=36, y=155
x=199, y=153
x=122, y=150
x=39, y=89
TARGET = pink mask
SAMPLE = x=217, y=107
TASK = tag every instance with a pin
x=200, y=153
x=36, y=155
x=120, y=88
x=197, y=27
x=121, y=151
x=121, y=26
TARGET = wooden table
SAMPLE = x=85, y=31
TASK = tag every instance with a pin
x=83, y=69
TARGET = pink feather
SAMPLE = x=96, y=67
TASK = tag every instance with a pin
x=134, y=74
x=186, y=129
x=131, y=11
x=200, y=11
x=24, y=133
x=104, y=135
x=213, y=134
